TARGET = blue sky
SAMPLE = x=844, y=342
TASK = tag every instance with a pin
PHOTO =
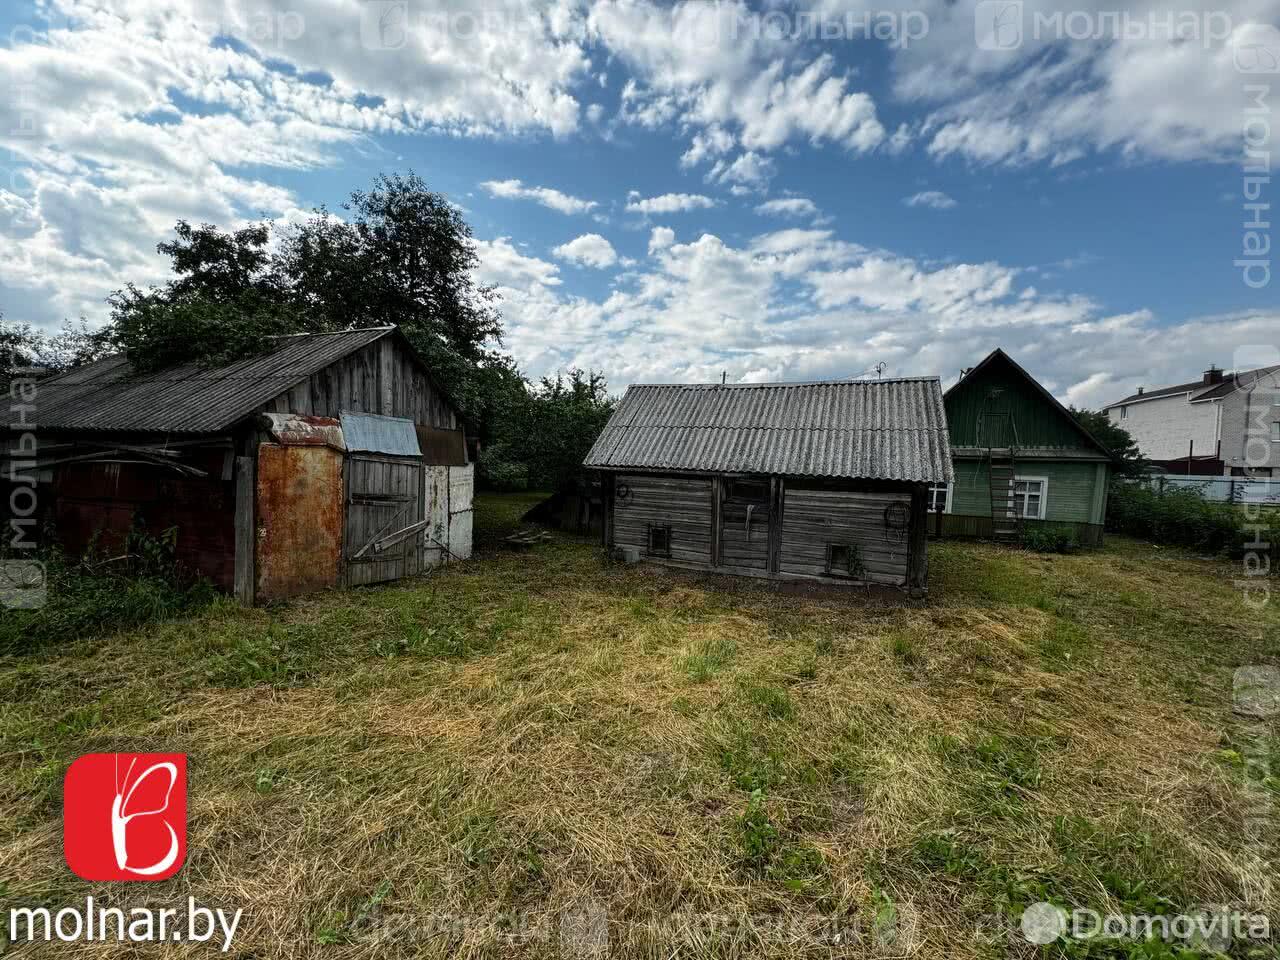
x=666, y=192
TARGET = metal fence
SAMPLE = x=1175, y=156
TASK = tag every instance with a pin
x=1221, y=489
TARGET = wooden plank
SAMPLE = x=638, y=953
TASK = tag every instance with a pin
x=244, y=531
x=918, y=558
x=717, y=520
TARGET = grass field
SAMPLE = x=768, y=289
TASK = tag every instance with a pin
x=522, y=751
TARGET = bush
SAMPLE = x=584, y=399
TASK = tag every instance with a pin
x=1182, y=518
x=1050, y=539
x=93, y=595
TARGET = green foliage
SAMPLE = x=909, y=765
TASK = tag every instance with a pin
x=542, y=434
x=759, y=839
x=1115, y=438
x=22, y=347
x=1049, y=539
x=1183, y=518
x=95, y=596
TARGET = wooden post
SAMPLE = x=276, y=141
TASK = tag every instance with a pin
x=917, y=543
x=776, y=497
x=717, y=493
x=244, y=531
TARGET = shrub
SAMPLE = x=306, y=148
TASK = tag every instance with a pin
x=1050, y=539
x=93, y=595
x=1176, y=517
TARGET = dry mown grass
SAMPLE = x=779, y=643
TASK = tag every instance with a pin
x=501, y=757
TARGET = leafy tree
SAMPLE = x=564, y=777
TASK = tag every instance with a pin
x=543, y=435
x=1115, y=438
x=24, y=347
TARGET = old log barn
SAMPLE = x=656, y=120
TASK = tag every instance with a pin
x=799, y=481
x=334, y=459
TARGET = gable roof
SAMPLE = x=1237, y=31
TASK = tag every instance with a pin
x=998, y=355
x=189, y=398
x=1230, y=383
x=873, y=429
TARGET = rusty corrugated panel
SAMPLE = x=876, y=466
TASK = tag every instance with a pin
x=304, y=430
x=299, y=519
x=189, y=398
x=873, y=429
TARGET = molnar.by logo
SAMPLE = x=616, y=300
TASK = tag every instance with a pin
x=124, y=816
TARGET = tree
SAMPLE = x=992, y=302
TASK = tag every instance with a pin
x=1115, y=438
x=543, y=435
x=403, y=256
x=22, y=347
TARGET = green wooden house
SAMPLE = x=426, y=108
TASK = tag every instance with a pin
x=1021, y=460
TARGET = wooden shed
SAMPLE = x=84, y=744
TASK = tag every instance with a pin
x=822, y=481
x=334, y=459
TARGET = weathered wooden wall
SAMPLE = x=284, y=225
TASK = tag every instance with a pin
x=683, y=502
x=744, y=535
x=811, y=519
x=381, y=378
x=99, y=503
x=384, y=495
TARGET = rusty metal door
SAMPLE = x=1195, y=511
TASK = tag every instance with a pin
x=384, y=518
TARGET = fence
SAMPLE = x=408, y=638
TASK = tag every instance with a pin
x=1222, y=489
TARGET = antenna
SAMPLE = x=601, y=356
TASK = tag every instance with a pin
x=880, y=369
x=724, y=375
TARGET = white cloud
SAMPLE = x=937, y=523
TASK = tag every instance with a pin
x=660, y=238
x=668, y=203
x=590, y=250
x=553, y=199
x=747, y=173
x=502, y=265
x=930, y=198
x=789, y=207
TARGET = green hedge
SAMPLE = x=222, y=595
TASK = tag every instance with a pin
x=1183, y=518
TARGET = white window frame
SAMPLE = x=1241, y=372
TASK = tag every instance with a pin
x=1124, y=413
x=1044, y=494
x=1275, y=431
x=950, y=488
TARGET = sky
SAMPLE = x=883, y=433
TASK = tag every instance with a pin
x=671, y=192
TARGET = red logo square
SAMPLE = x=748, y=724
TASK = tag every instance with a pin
x=124, y=816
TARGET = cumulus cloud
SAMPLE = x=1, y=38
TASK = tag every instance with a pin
x=668, y=203
x=553, y=199
x=803, y=304
x=588, y=250
x=930, y=198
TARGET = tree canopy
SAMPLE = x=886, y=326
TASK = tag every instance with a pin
x=1114, y=437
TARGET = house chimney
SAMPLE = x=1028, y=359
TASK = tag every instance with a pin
x=1212, y=375
x=1139, y=391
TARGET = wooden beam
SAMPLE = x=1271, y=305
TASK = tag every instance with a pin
x=717, y=519
x=918, y=543
x=244, y=531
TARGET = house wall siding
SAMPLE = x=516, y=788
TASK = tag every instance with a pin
x=1164, y=428
x=1073, y=494
x=1247, y=416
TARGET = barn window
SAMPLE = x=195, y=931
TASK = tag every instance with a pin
x=659, y=540
x=843, y=560
x=748, y=491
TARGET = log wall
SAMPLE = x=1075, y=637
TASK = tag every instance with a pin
x=811, y=519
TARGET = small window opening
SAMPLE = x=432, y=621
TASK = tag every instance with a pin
x=843, y=561
x=659, y=540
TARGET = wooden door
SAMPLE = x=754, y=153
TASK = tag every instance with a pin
x=385, y=518
x=744, y=523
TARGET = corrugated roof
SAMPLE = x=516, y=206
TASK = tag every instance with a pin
x=189, y=398
x=874, y=429
x=372, y=432
x=1201, y=391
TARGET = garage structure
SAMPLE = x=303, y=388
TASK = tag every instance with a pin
x=334, y=459
x=819, y=481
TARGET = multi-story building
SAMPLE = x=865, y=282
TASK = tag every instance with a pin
x=1224, y=424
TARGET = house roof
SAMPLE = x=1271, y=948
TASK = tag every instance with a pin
x=105, y=396
x=998, y=355
x=874, y=429
x=1229, y=384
